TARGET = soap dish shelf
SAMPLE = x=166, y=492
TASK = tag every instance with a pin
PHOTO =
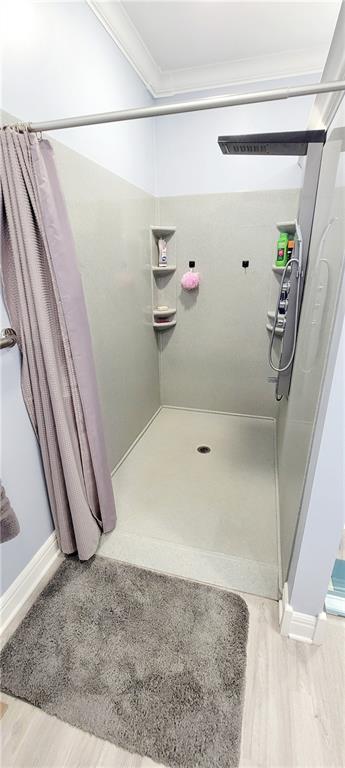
x=287, y=226
x=164, y=326
x=164, y=312
x=160, y=271
x=164, y=292
x=162, y=232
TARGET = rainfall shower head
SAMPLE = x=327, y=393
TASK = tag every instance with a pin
x=286, y=143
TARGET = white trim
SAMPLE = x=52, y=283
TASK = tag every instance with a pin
x=239, y=72
x=279, y=552
x=161, y=83
x=121, y=29
x=19, y=597
x=300, y=626
x=138, y=437
x=325, y=388
x=326, y=105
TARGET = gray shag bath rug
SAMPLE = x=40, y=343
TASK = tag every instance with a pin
x=150, y=662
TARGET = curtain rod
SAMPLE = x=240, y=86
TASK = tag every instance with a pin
x=229, y=100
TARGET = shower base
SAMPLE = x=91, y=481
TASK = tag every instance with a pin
x=210, y=516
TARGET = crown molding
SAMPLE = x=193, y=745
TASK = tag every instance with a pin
x=122, y=30
x=239, y=72
x=226, y=74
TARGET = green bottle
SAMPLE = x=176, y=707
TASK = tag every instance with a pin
x=282, y=250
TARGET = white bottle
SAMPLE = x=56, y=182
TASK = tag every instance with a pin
x=162, y=253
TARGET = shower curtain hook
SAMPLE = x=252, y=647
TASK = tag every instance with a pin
x=21, y=127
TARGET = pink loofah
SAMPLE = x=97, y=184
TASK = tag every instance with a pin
x=190, y=281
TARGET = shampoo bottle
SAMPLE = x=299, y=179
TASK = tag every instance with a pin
x=162, y=252
x=282, y=249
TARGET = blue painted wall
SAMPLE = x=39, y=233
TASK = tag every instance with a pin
x=20, y=470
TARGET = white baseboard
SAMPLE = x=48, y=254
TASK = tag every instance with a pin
x=300, y=626
x=22, y=593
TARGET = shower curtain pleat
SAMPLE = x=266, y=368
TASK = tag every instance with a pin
x=44, y=297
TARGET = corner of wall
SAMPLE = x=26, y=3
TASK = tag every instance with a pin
x=300, y=626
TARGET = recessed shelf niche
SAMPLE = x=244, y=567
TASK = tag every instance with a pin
x=163, y=279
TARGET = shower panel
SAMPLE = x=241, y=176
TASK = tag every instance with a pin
x=286, y=316
x=305, y=218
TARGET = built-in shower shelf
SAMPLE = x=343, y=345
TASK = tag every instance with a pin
x=164, y=312
x=290, y=228
x=164, y=292
x=169, y=269
x=287, y=226
x=165, y=232
x=277, y=332
x=164, y=326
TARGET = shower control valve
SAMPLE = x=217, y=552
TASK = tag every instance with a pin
x=283, y=305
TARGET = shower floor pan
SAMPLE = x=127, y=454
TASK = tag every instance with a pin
x=208, y=515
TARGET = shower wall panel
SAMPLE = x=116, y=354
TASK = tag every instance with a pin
x=297, y=415
x=110, y=220
x=216, y=356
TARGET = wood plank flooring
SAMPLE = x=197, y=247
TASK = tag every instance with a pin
x=294, y=711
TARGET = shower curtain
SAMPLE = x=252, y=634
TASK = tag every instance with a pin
x=44, y=297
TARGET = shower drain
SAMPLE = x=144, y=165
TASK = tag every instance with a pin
x=204, y=449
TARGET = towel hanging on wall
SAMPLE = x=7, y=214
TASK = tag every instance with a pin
x=9, y=525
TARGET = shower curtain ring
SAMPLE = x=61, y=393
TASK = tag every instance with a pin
x=21, y=127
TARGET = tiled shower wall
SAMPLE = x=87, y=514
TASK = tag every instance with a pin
x=216, y=356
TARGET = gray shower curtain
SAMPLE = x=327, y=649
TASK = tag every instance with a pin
x=44, y=297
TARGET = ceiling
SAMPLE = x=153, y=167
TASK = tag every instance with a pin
x=194, y=45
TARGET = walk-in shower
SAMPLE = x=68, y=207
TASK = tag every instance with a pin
x=213, y=514
x=208, y=515
x=189, y=409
